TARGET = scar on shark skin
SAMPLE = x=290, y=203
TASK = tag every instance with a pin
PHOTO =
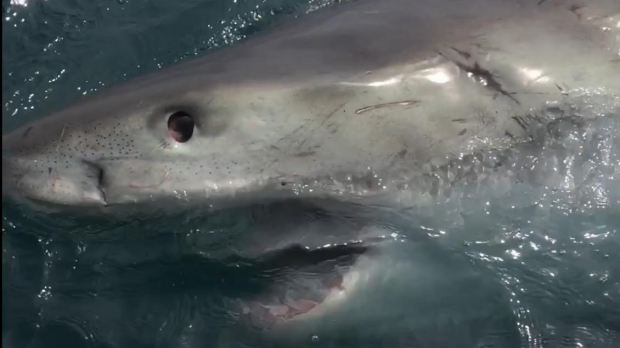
x=305, y=154
x=25, y=134
x=482, y=73
x=462, y=53
x=62, y=135
x=163, y=180
x=385, y=105
x=575, y=9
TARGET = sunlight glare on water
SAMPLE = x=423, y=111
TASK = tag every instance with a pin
x=534, y=266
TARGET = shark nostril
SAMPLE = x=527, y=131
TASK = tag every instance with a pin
x=100, y=177
x=181, y=126
x=95, y=189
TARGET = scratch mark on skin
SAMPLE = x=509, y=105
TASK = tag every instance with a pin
x=166, y=176
x=477, y=70
x=165, y=144
x=322, y=123
x=463, y=131
x=562, y=91
x=541, y=2
x=302, y=143
x=462, y=53
x=62, y=135
x=290, y=134
x=385, y=105
x=484, y=74
x=574, y=9
x=305, y=154
x=460, y=120
x=26, y=132
x=331, y=114
x=520, y=121
x=295, y=131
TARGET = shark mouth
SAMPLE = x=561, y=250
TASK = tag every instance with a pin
x=306, y=296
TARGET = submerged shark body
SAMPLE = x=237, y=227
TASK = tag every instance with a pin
x=350, y=102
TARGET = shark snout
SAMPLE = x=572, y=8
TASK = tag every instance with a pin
x=72, y=183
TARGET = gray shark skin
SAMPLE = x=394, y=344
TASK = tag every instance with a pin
x=346, y=103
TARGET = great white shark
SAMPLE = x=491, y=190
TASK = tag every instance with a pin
x=349, y=102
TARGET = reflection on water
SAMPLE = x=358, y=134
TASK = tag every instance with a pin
x=534, y=266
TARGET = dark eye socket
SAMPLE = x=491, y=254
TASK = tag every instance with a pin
x=181, y=126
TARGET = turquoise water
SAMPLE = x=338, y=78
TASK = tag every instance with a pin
x=534, y=267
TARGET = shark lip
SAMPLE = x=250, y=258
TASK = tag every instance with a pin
x=98, y=196
x=105, y=202
x=100, y=185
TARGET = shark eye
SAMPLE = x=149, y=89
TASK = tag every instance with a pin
x=181, y=126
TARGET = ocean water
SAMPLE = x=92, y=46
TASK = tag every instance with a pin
x=534, y=266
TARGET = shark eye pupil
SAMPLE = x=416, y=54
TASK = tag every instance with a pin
x=181, y=126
